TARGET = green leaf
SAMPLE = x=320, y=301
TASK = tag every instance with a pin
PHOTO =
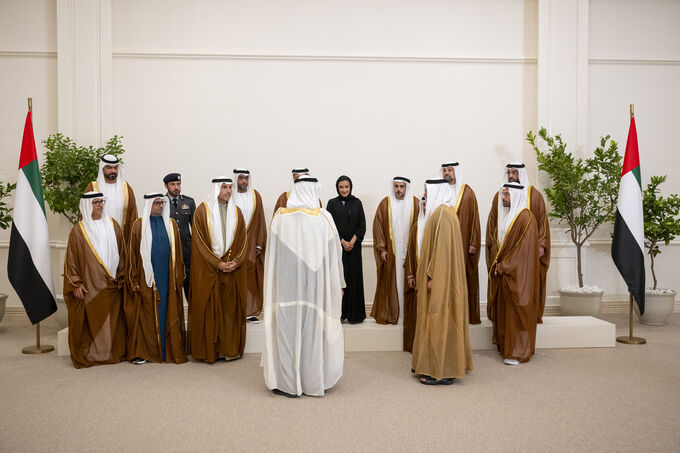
x=68, y=169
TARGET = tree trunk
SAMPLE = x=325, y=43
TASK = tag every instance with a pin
x=653, y=274
x=578, y=265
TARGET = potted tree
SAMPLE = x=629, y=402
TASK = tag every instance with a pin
x=582, y=195
x=662, y=225
x=5, y=219
x=66, y=172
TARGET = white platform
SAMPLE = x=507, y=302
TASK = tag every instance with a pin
x=555, y=332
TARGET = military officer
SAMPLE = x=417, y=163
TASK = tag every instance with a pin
x=182, y=210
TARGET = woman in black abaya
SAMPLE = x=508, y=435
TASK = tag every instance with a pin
x=348, y=214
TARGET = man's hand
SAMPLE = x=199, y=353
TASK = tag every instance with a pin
x=80, y=292
x=222, y=267
x=411, y=281
x=429, y=284
x=472, y=250
x=541, y=251
x=134, y=287
x=231, y=266
x=346, y=245
x=383, y=256
x=258, y=251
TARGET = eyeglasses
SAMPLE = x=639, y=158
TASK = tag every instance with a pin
x=99, y=203
x=159, y=203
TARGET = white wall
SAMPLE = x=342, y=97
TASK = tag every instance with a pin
x=367, y=88
x=28, y=68
x=635, y=59
x=381, y=90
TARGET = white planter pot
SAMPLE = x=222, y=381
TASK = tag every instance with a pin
x=580, y=304
x=62, y=312
x=3, y=302
x=658, y=307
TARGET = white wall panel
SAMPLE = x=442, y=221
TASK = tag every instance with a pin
x=28, y=25
x=28, y=68
x=324, y=27
x=368, y=120
x=635, y=59
x=629, y=29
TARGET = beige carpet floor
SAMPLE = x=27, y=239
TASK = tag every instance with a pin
x=616, y=399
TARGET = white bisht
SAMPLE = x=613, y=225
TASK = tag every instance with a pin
x=303, y=281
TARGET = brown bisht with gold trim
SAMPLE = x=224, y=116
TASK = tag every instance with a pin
x=96, y=327
x=513, y=288
x=386, y=300
x=129, y=207
x=254, y=265
x=537, y=207
x=441, y=348
x=471, y=234
x=411, y=298
x=281, y=202
x=141, y=307
x=217, y=301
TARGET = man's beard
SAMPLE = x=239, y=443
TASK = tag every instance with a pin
x=448, y=178
x=111, y=176
x=243, y=188
x=399, y=196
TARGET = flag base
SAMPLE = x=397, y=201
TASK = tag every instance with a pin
x=38, y=349
x=631, y=340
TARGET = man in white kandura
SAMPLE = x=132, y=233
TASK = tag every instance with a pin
x=303, y=281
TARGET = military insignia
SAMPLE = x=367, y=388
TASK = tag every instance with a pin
x=185, y=206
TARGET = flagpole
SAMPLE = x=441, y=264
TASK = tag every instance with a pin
x=37, y=348
x=630, y=339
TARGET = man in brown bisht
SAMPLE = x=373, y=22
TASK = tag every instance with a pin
x=120, y=199
x=465, y=202
x=441, y=348
x=249, y=202
x=93, y=278
x=217, y=305
x=511, y=258
x=517, y=172
x=394, y=301
x=282, y=201
x=155, y=275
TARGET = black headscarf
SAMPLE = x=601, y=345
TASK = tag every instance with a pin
x=351, y=186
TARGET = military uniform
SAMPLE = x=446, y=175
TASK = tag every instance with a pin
x=182, y=210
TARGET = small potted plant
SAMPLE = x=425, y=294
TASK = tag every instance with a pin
x=582, y=195
x=662, y=225
x=5, y=219
x=66, y=172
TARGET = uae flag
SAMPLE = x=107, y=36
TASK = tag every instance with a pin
x=29, y=267
x=628, y=242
